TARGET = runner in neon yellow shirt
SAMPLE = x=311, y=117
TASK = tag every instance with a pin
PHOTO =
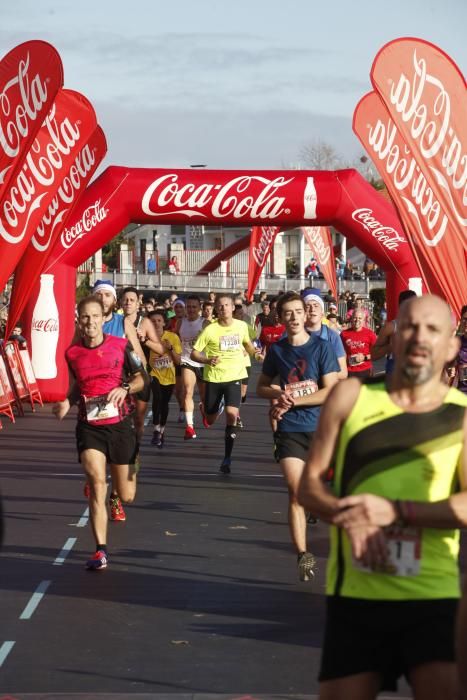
x=219, y=348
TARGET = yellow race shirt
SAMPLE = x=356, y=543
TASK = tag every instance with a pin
x=162, y=366
x=226, y=343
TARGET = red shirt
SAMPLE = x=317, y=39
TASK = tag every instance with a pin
x=355, y=343
x=270, y=334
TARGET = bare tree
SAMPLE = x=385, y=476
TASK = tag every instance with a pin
x=319, y=155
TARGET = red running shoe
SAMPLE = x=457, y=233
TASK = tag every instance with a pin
x=203, y=415
x=97, y=562
x=116, y=509
x=190, y=433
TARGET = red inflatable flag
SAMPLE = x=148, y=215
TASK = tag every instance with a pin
x=320, y=242
x=261, y=242
x=64, y=132
x=30, y=77
x=54, y=220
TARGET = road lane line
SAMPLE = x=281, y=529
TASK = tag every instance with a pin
x=35, y=600
x=5, y=650
x=67, y=547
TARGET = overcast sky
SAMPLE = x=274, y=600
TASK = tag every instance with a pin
x=241, y=84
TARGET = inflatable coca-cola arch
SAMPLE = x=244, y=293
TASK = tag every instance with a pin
x=245, y=198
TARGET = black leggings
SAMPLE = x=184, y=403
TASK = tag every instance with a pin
x=161, y=395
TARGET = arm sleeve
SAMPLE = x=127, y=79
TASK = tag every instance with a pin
x=200, y=342
x=337, y=345
x=328, y=359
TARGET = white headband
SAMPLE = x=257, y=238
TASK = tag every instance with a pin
x=313, y=297
x=179, y=301
x=105, y=287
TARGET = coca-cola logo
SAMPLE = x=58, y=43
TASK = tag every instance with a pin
x=42, y=166
x=166, y=197
x=69, y=187
x=318, y=244
x=261, y=249
x=91, y=217
x=386, y=235
x=407, y=177
x=47, y=325
x=15, y=126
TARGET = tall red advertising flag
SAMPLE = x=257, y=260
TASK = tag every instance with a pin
x=442, y=264
x=64, y=132
x=30, y=76
x=261, y=243
x=320, y=241
x=52, y=224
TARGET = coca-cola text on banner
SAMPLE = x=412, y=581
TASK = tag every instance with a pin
x=67, y=127
x=261, y=242
x=30, y=76
x=425, y=94
x=442, y=266
x=53, y=221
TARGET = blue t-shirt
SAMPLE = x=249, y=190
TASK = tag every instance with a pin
x=331, y=336
x=292, y=364
x=116, y=326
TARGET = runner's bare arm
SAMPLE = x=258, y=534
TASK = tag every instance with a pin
x=251, y=350
x=119, y=394
x=150, y=338
x=313, y=493
x=320, y=396
x=132, y=336
x=343, y=372
x=382, y=346
x=265, y=389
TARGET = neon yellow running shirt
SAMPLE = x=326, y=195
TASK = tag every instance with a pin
x=409, y=456
x=226, y=343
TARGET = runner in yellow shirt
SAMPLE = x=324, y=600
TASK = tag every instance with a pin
x=162, y=372
x=219, y=347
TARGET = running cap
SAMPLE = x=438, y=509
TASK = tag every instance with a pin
x=104, y=286
x=312, y=294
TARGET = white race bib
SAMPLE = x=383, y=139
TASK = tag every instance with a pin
x=98, y=408
x=163, y=362
x=230, y=342
x=300, y=389
x=405, y=550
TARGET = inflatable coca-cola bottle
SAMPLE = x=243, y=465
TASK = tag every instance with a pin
x=44, y=331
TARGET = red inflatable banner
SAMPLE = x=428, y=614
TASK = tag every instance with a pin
x=261, y=243
x=442, y=265
x=282, y=199
x=59, y=211
x=30, y=77
x=67, y=127
x=320, y=242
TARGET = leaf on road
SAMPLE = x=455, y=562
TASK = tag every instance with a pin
x=238, y=527
x=171, y=534
x=179, y=641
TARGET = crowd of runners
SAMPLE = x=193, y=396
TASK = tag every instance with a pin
x=380, y=458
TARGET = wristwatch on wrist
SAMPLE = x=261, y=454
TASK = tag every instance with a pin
x=126, y=386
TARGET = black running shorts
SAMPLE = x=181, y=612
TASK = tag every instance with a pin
x=292, y=445
x=386, y=637
x=215, y=391
x=197, y=371
x=117, y=441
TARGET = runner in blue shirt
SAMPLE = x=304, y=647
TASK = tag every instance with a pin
x=307, y=369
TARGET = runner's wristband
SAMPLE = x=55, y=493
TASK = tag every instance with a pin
x=401, y=519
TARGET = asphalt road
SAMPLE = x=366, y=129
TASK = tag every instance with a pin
x=201, y=598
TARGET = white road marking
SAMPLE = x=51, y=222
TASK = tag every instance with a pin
x=66, y=549
x=83, y=521
x=35, y=600
x=5, y=650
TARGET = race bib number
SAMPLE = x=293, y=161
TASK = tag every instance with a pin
x=404, y=553
x=299, y=389
x=164, y=362
x=229, y=342
x=98, y=409
x=353, y=361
